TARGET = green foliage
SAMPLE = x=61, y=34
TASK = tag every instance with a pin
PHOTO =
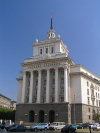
x=7, y=114
x=59, y=120
x=96, y=117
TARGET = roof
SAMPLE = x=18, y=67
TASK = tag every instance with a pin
x=4, y=96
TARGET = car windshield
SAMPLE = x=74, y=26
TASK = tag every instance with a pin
x=42, y=124
x=53, y=123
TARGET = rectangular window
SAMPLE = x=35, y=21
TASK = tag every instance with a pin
x=62, y=99
x=89, y=109
x=62, y=81
x=89, y=117
x=62, y=72
x=87, y=83
x=53, y=81
x=88, y=100
x=46, y=50
x=40, y=51
x=87, y=91
x=52, y=50
x=62, y=90
x=52, y=99
x=44, y=82
x=36, y=82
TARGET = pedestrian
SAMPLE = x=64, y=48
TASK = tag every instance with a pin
x=90, y=128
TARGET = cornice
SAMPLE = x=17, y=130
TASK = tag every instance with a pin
x=47, y=41
x=86, y=76
x=45, y=61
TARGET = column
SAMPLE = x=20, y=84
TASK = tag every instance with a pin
x=56, y=85
x=65, y=85
x=47, y=87
x=23, y=87
x=39, y=87
x=31, y=88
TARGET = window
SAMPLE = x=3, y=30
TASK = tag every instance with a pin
x=52, y=99
x=87, y=91
x=40, y=51
x=87, y=83
x=46, y=50
x=36, y=82
x=53, y=89
x=62, y=99
x=52, y=50
x=89, y=109
x=89, y=117
x=53, y=81
x=62, y=81
x=44, y=82
x=62, y=90
x=88, y=100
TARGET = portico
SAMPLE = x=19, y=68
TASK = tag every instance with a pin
x=46, y=83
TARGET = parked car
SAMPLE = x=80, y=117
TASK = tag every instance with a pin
x=10, y=126
x=96, y=126
x=56, y=125
x=85, y=125
x=69, y=128
x=17, y=128
x=39, y=126
x=79, y=126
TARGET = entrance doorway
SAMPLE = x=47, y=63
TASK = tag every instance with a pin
x=31, y=116
x=51, y=116
x=41, y=116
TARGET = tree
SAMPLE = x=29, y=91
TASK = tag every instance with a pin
x=7, y=114
x=97, y=117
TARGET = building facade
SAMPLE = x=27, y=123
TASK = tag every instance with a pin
x=51, y=87
x=5, y=101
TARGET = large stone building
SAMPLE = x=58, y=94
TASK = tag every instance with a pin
x=5, y=101
x=51, y=87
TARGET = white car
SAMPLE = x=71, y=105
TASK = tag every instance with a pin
x=56, y=125
x=39, y=126
x=96, y=126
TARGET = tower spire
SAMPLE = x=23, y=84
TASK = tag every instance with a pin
x=51, y=27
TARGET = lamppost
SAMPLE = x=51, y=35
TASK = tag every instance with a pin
x=74, y=110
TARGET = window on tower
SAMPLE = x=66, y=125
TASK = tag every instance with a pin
x=46, y=50
x=52, y=50
x=40, y=51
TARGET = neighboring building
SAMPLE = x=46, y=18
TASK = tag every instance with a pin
x=51, y=87
x=13, y=105
x=5, y=101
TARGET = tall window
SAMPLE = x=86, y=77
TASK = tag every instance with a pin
x=40, y=51
x=87, y=91
x=87, y=83
x=46, y=50
x=52, y=50
x=88, y=100
x=62, y=81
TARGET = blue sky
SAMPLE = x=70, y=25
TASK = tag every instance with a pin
x=22, y=21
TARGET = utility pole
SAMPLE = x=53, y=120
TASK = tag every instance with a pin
x=74, y=111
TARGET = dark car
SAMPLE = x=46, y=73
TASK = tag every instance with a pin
x=69, y=128
x=79, y=126
x=10, y=126
x=18, y=128
x=85, y=125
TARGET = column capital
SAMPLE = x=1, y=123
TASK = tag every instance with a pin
x=65, y=67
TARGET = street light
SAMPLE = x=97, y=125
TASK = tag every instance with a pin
x=74, y=110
